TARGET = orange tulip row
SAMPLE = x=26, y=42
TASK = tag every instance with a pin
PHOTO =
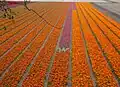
x=59, y=73
x=101, y=71
x=26, y=56
x=116, y=24
x=95, y=54
x=3, y=20
x=18, y=68
x=37, y=73
x=16, y=62
x=6, y=20
x=111, y=54
x=41, y=65
x=14, y=54
x=9, y=33
x=9, y=43
x=20, y=17
x=10, y=25
x=12, y=31
x=12, y=42
x=80, y=69
x=110, y=31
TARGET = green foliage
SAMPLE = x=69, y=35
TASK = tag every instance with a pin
x=3, y=28
x=49, y=83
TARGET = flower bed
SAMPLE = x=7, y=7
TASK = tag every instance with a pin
x=18, y=68
x=59, y=72
x=65, y=39
x=38, y=70
x=18, y=37
x=109, y=50
x=16, y=51
x=80, y=69
x=102, y=73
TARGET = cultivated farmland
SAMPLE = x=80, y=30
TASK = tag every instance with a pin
x=59, y=45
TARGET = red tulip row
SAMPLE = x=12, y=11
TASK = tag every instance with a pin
x=101, y=72
x=80, y=69
x=38, y=70
x=112, y=55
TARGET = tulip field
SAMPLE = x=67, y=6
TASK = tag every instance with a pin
x=67, y=45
